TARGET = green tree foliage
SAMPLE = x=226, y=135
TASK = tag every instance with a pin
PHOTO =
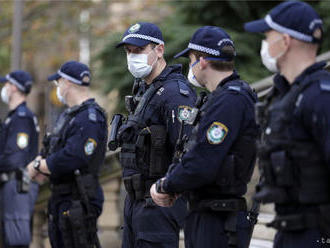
x=186, y=18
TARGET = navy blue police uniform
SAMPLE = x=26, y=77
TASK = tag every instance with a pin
x=219, y=157
x=148, y=140
x=78, y=142
x=295, y=146
x=18, y=147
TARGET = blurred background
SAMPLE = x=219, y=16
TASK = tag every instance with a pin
x=39, y=36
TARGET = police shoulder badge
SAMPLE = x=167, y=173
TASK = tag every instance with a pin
x=22, y=140
x=216, y=133
x=90, y=146
x=184, y=113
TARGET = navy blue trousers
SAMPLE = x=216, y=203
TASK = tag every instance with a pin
x=206, y=229
x=148, y=225
x=310, y=238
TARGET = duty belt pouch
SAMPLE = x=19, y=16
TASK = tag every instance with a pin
x=127, y=156
x=282, y=168
x=76, y=216
x=230, y=228
x=129, y=187
x=138, y=186
x=158, y=152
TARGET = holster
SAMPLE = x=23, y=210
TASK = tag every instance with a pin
x=76, y=218
x=137, y=188
x=23, y=180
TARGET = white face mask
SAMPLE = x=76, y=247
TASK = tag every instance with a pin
x=59, y=96
x=269, y=62
x=191, y=77
x=4, y=95
x=138, y=64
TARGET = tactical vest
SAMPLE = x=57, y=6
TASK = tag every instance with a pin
x=236, y=170
x=144, y=148
x=292, y=171
x=57, y=139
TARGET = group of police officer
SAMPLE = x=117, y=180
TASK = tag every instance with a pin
x=186, y=160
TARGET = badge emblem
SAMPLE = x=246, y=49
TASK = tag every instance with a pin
x=86, y=79
x=134, y=28
x=216, y=133
x=184, y=113
x=90, y=146
x=22, y=140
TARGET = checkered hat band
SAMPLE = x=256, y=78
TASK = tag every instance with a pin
x=143, y=37
x=204, y=49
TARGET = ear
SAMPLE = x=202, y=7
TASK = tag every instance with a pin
x=203, y=63
x=160, y=50
x=287, y=40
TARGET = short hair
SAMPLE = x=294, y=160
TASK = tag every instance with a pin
x=219, y=65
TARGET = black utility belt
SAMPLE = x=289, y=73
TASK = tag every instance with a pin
x=296, y=222
x=7, y=176
x=63, y=188
x=138, y=188
x=218, y=205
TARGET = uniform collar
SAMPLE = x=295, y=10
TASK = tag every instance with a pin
x=282, y=85
x=168, y=70
x=74, y=108
x=23, y=104
x=232, y=77
x=309, y=70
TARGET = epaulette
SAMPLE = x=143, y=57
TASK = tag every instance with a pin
x=92, y=114
x=325, y=85
x=183, y=88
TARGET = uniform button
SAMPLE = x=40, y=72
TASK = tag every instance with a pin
x=268, y=130
x=283, y=223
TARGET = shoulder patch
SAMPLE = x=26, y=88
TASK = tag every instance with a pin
x=325, y=85
x=216, y=133
x=90, y=146
x=184, y=113
x=22, y=140
x=92, y=115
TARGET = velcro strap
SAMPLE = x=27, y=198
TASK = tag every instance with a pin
x=295, y=222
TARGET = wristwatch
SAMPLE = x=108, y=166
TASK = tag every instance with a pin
x=159, y=186
x=36, y=165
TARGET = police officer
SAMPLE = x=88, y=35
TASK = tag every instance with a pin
x=162, y=99
x=295, y=150
x=220, y=154
x=18, y=147
x=72, y=160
